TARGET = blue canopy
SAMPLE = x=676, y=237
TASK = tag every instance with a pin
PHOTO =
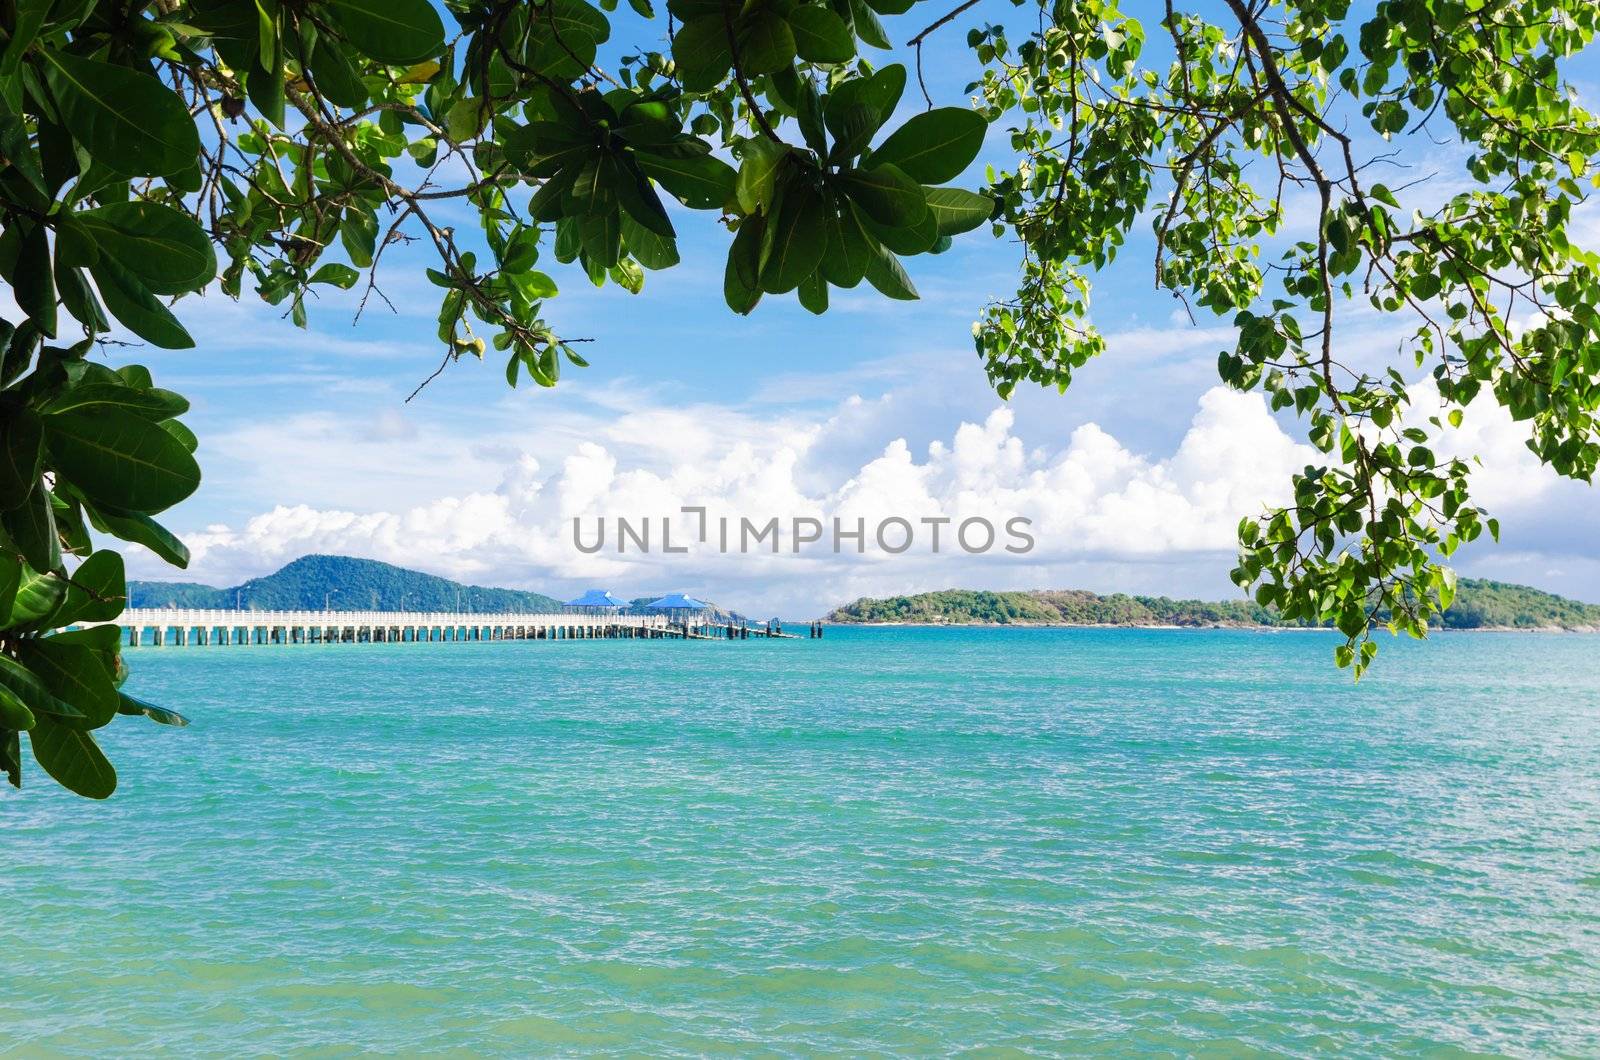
x=677, y=602
x=596, y=598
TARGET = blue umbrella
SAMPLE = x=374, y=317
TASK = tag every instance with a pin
x=677, y=602
x=596, y=598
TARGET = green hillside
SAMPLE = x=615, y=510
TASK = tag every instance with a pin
x=1484, y=604
x=1479, y=604
x=353, y=584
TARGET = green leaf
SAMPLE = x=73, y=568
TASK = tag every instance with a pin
x=75, y=245
x=98, y=589
x=14, y=713
x=766, y=44
x=465, y=119
x=602, y=237
x=399, y=32
x=75, y=675
x=688, y=10
x=594, y=191
x=521, y=250
x=137, y=309
x=70, y=527
x=919, y=238
x=358, y=232
x=546, y=204
x=568, y=240
x=39, y=595
x=649, y=121
x=741, y=287
x=184, y=435
x=164, y=247
x=10, y=578
x=336, y=274
x=32, y=528
x=796, y=242
x=758, y=170
x=119, y=459
x=59, y=162
x=885, y=194
x=640, y=200
x=137, y=376
x=935, y=146
x=563, y=38
x=21, y=448
x=820, y=36
x=11, y=757
x=27, y=686
x=130, y=705
x=850, y=245
x=649, y=249
x=814, y=294
x=106, y=639
x=264, y=85
x=73, y=758
x=128, y=122
x=701, y=182
x=628, y=275
x=885, y=273
x=335, y=78
x=856, y=127
x=534, y=285
x=879, y=94
x=143, y=530
x=701, y=53
x=16, y=141
x=152, y=403
x=956, y=210
x=78, y=296
x=29, y=16
x=808, y=114
x=868, y=28
x=19, y=351
x=35, y=280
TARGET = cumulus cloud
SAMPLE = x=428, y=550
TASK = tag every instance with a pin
x=1092, y=505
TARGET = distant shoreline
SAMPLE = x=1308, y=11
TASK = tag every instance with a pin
x=1478, y=605
x=1244, y=627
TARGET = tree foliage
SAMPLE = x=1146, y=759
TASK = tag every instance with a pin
x=150, y=150
x=1257, y=151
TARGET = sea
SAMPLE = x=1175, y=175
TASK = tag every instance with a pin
x=890, y=841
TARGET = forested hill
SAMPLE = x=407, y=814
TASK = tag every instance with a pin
x=1479, y=604
x=353, y=584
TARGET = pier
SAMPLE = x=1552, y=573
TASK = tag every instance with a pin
x=194, y=627
x=176, y=626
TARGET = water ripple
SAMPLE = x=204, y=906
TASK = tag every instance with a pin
x=1024, y=841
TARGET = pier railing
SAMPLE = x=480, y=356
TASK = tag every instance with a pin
x=196, y=626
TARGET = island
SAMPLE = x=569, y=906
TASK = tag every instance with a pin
x=1479, y=604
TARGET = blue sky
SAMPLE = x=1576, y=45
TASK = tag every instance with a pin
x=1134, y=477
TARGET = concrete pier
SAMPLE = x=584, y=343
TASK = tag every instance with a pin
x=182, y=627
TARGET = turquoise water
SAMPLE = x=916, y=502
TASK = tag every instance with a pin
x=894, y=840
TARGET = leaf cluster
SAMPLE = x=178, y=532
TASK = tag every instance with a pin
x=277, y=147
x=1262, y=104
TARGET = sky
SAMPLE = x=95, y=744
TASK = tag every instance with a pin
x=1134, y=480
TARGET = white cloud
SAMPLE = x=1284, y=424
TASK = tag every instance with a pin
x=1094, y=505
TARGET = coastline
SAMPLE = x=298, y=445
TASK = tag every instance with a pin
x=1246, y=627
